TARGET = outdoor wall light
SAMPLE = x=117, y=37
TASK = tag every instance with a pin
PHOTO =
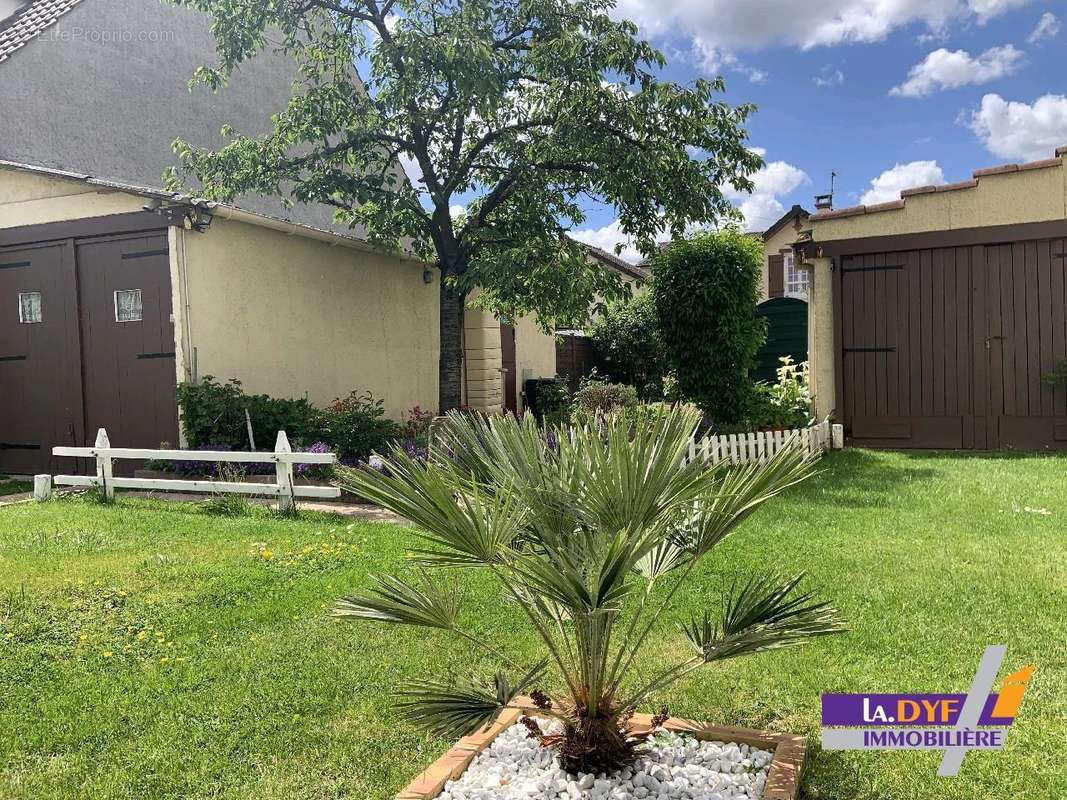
x=427, y=275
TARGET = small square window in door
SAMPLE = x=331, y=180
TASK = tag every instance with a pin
x=128, y=305
x=29, y=307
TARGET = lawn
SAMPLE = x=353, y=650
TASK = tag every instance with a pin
x=9, y=487
x=151, y=650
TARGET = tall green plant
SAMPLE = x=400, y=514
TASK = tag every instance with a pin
x=592, y=533
x=628, y=344
x=706, y=290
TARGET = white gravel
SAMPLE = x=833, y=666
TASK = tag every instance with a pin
x=515, y=766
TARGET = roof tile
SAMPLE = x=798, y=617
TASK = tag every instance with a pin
x=37, y=16
x=999, y=170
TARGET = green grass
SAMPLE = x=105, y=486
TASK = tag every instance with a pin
x=8, y=487
x=152, y=650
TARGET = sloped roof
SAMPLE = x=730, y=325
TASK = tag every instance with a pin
x=30, y=21
x=616, y=263
x=795, y=210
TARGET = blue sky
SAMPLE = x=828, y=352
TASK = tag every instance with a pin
x=894, y=92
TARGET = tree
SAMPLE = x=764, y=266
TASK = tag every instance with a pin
x=628, y=345
x=523, y=110
x=591, y=534
x=706, y=289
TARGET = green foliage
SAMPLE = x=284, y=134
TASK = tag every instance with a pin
x=213, y=413
x=706, y=289
x=579, y=530
x=520, y=111
x=785, y=403
x=596, y=395
x=553, y=402
x=227, y=504
x=628, y=344
x=356, y=426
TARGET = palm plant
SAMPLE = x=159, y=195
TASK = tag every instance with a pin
x=580, y=528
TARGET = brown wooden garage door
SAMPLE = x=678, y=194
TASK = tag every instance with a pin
x=86, y=341
x=947, y=347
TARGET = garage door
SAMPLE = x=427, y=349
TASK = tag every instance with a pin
x=86, y=341
x=948, y=347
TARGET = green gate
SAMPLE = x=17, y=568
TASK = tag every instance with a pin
x=787, y=335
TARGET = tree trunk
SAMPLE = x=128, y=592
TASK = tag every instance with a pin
x=451, y=364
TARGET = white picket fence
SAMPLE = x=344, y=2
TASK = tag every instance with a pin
x=283, y=459
x=749, y=448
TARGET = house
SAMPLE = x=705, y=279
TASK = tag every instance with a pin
x=784, y=296
x=575, y=356
x=113, y=291
x=936, y=317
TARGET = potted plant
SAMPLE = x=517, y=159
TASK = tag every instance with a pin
x=591, y=531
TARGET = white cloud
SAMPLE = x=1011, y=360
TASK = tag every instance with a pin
x=1048, y=27
x=607, y=238
x=717, y=26
x=888, y=185
x=950, y=69
x=762, y=207
x=829, y=76
x=1021, y=131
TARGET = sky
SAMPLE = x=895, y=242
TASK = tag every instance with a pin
x=886, y=93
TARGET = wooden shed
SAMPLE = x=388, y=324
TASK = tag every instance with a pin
x=939, y=318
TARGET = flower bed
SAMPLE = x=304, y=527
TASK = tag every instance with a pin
x=500, y=763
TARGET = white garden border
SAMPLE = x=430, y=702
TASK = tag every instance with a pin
x=283, y=459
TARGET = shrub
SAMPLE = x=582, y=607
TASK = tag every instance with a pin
x=356, y=426
x=578, y=531
x=628, y=345
x=214, y=413
x=552, y=403
x=705, y=290
x=785, y=403
x=598, y=396
x=416, y=426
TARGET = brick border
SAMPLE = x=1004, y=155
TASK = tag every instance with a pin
x=783, y=777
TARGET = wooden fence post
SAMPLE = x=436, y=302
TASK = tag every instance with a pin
x=284, y=473
x=104, y=467
x=42, y=488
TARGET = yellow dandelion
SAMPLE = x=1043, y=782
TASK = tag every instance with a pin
x=108, y=654
x=164, y=659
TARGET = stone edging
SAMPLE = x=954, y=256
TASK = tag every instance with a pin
x=783, y=778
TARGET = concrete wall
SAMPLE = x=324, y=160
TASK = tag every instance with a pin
x=291, y=316
x=1028, y=193
x=104, y=92
x=27, y=199
x=535, y=352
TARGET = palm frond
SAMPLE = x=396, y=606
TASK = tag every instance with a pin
x=451, y=710
x=735, y=492
x=394, y=600
x=462, y=526
x=763, y=614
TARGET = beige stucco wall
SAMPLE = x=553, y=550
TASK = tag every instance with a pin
x=290, y=316
x=483, y=387
x=27, y=199
x=1037, y=194
x=535, y=352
